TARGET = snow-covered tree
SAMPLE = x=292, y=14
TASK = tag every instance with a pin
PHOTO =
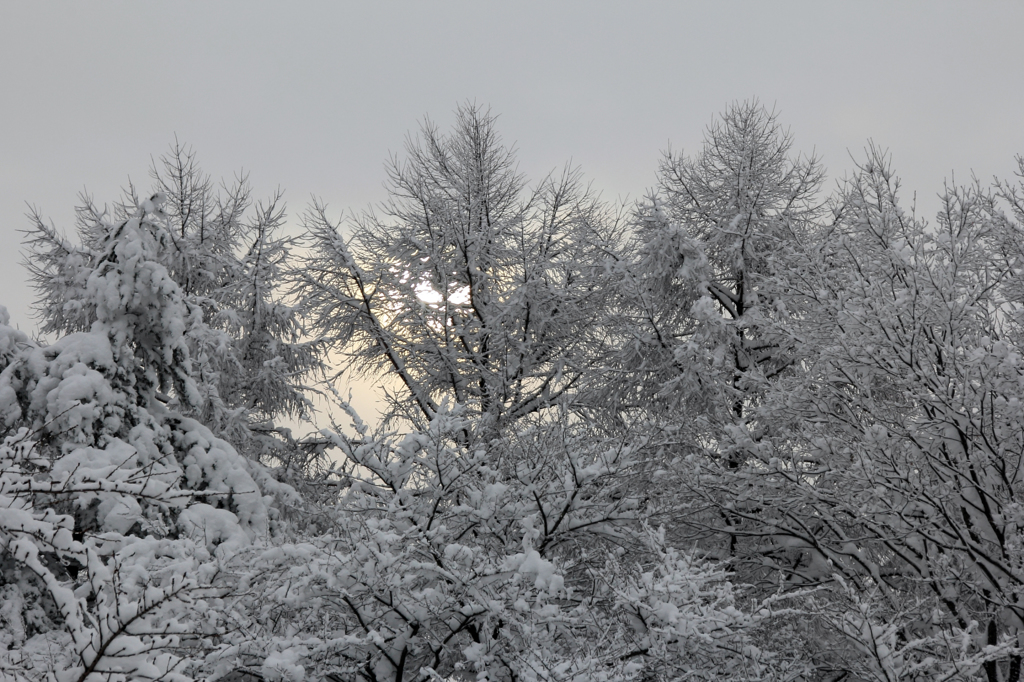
x=465, y=288
x=248, y=361
x=705, y=294
x=116, y=508
x=703, y=315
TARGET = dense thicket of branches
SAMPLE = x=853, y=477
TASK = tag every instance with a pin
x=745, y=429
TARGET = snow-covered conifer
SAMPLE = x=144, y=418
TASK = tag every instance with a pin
x=705, y=294
x=117, y=509
x=249, y=364
x=465, y=288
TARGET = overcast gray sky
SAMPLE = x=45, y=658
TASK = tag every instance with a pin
x=312, y=97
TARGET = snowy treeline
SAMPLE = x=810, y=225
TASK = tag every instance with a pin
x=747, y=429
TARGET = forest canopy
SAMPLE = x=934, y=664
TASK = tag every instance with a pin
x=749, y=427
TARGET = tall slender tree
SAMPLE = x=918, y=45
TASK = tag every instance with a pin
x=705, y=295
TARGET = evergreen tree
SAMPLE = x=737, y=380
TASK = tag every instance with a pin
x=116, y=508
x=248, y=362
